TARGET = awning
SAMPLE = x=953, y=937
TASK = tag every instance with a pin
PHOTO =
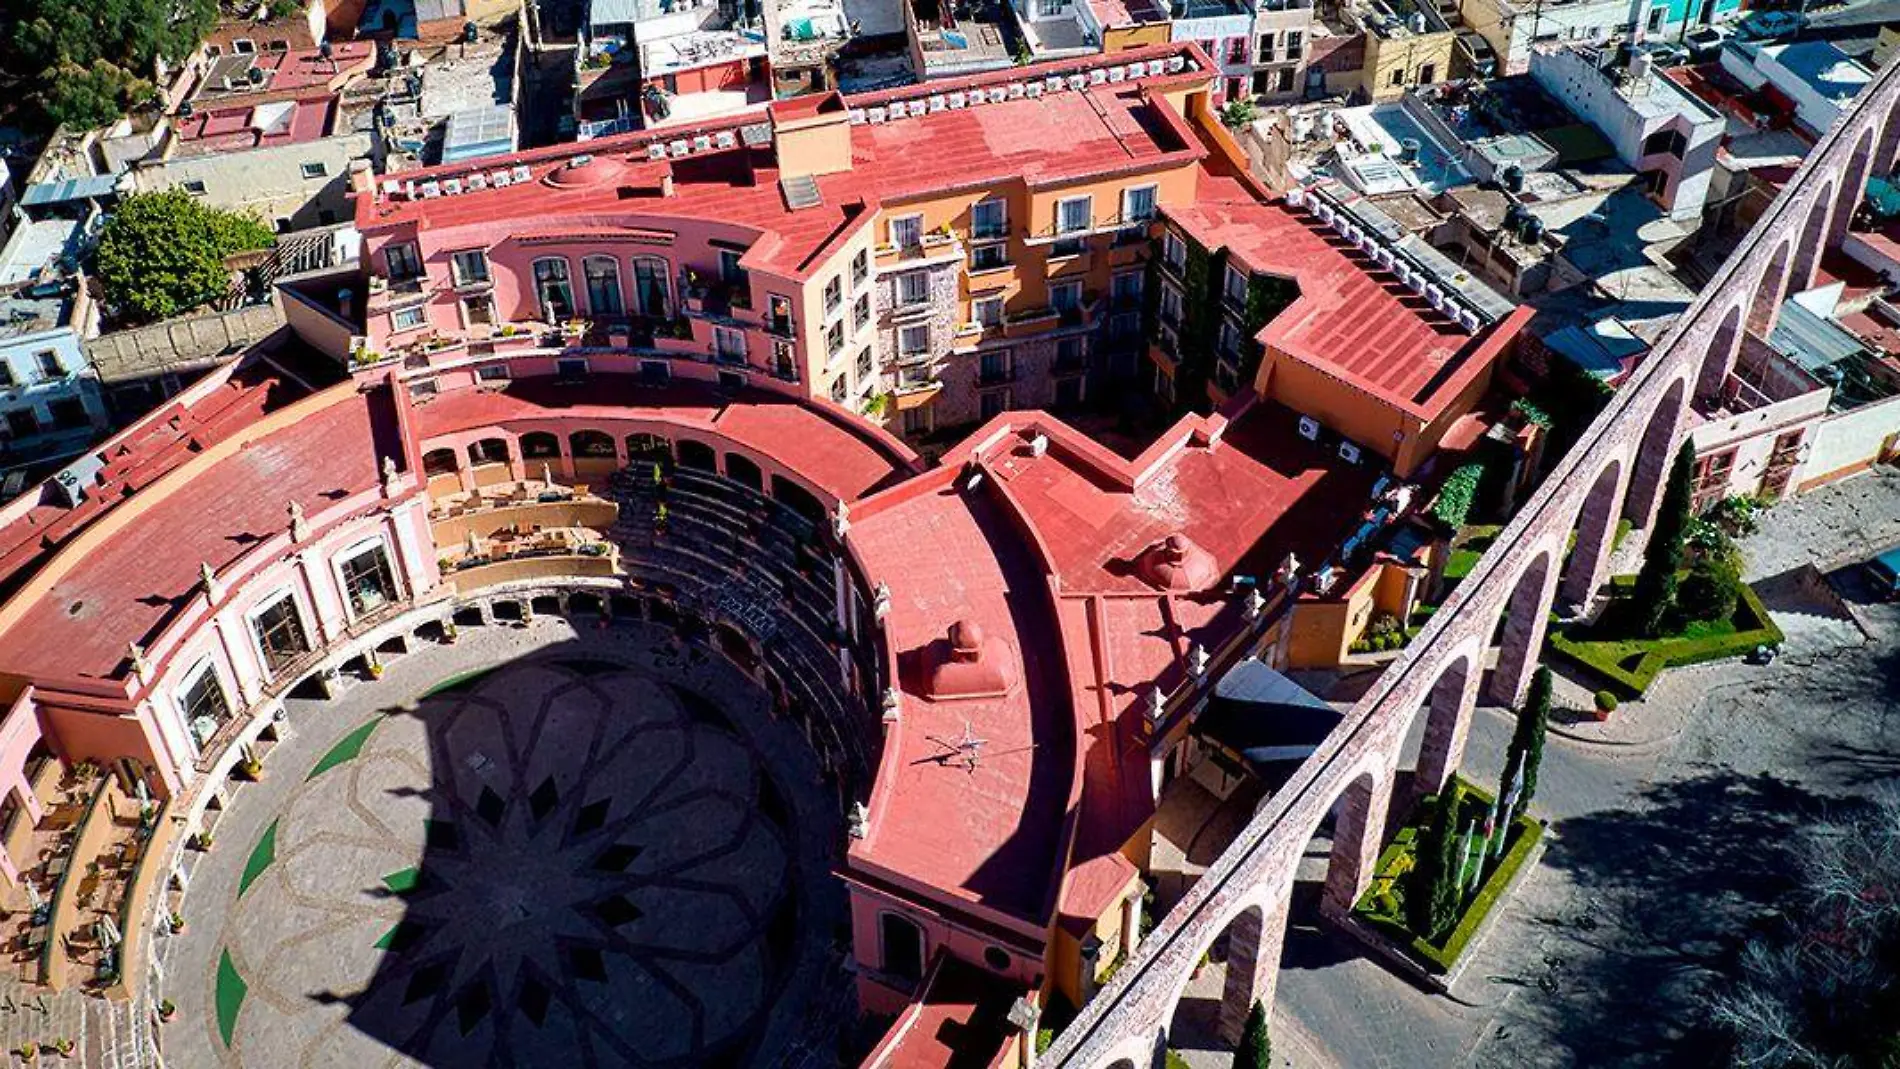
x=1267, y=720
x=102, y=185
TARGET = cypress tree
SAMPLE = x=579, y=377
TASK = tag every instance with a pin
x=1432, y=895
x=1654, y=598
x=1527, y=741
x=1255, y=1050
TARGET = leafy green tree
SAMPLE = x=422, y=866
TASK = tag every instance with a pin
x=163, y=253
x=55, y=48
x=1527, y=740
x=1431, y=894
x=1653, y=599
x=1712, y=587
x=1239, y=114
x=1255, y=1050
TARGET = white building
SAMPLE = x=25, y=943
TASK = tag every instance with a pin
x=1820, y=78
x=50, y=404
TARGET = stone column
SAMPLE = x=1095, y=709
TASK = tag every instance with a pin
x=1525, y=616
x=1358, y=833
x=1254, y=942
x=1447, y=721
x=1596, y=529
x=1131, y=922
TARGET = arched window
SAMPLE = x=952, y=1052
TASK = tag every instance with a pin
x=799, y=500
x=488, y=451
x=439, y=462
x=603, y=286
x=553, y=289
x=652, y=289
x=595, y=444
x=903, y=945
x=649, y=449
x=740, y=469
x=540, y=445
x=698, y=455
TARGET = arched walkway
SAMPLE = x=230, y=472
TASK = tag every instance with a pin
x=1813, y=234
x=1853, y=185
x=1596, y=534
x=1526, y=612
x=1654, y=455
x=1764, y=307
x=1447, y=713
x=1720, y=358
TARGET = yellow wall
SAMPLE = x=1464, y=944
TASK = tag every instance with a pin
x=1324, y=630
x=1408, y=55
x=1121, y=38
x=1354, y=413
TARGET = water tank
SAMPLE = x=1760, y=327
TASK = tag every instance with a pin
x=1639, y=66
x=1533, y=230
x=1513, y=178
x=1408, y=150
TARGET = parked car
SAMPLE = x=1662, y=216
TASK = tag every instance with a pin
x=1768, y=25
x=1884, y=572
x=1477, y=56
x=1705, y=42
x=1666, y=53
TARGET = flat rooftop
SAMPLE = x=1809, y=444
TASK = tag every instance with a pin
x=246, y=126
x=280, y=72
x=21, y=315
x=1053, y=137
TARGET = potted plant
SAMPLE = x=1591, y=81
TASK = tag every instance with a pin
x=64, y=1046
x=167, y=1009
x=176, y=921
x=251, y=768
x=200, y=841
x=449, y=632
x=376, y=669
x=29, y=1051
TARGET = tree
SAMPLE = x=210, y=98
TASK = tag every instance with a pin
x=1527, y=741
x=1255, y=1050
x=82, y=61
x=1239, y=114
x=1432, y=895
x=1712, y=587
x=163, y=253
x=1653, y=600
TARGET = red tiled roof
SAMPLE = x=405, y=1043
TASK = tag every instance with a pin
x=957, y=1018
x=240, y=126
x=1352, y=318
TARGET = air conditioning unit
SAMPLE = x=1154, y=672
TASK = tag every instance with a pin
x=1309, y=428
x=1349, y=452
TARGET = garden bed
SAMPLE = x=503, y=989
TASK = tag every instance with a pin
x=1381, y=908
x=1632, y=664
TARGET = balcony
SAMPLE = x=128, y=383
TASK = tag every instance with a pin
x=916, y=372
x=938, y=246
x=717, y=298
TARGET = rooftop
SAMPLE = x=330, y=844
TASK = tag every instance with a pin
x=1826, y=70
x=284, y=72
x=1005, y=133
x=244, y=126
x=22, y=313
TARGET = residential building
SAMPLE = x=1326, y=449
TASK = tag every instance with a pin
x=1659, y=129
x=1406, y=44
x=1225, y=31
x=50, y=403
x=1057, y=29
x=1817, y=76
x=1283, y=34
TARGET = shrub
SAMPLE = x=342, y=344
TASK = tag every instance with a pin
x=1711, y=589
x=163, y=253
x=1238, y=114
x=1457, y=495
x=1605, y=701
x=1654, y=598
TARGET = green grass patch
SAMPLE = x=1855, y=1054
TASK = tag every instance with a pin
x=231, y=990
x=457, y=681
x=401, y=937
x=346, y=749
x=1632, y=664
x=403, y=881
x=1460, y=562
x=1382, y=905
x=262, y=855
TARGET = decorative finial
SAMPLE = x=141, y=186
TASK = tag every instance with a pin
x=860, y=820
x=892, y=705
x=547, y=474
x=1157, y=704
x=1197, y=662
x=841, y=520
x=1256, y=604
x=389, y=476
x=881, y=600
x=299, y=527
x=141, y=668
x=209, y=579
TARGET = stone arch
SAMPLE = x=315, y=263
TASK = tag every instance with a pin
x=1655, y=452
x=1764, y=305
x=1525, y=612
x=1887, y=156
x=1446, y=706
x=592, y=444
x=1720, y=356
x=440, y=462
x=488, y=451
x=649, y=449
x=1596, y=534
x=1812, y=243
x=745, y=471
x=698, y=455
x=540, y=445
x=1853, y=185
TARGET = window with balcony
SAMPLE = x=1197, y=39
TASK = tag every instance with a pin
x=834, y=294
x=907, y=231
x=551, y=285
x=1138, y=204
x=603, y=285
x=49, y=364
x=913, y=342
x=1075, y=215
x=987, y=312
x=917, y=421
x=477, y=309
x=1236, y=50
x=1125, y=289
x=729, y=270
x=280, y=633
x=1174, y=251
x=368, y=582
x=203, y=704
x=840, y=389
x=994, y=367
x=1065, y=297
x=989, y=219
x=729, y=345
x=861, y=312
x=1070, y=354
x=652, y=287
x=1266, y=48
x=913, y=288
x=1069, y=391
x=778, y=318
x=402, y=261
x=1234, y=287
x=860, y=268
x=834, y=338
x=470, y=267
x=866, y=363
x=1295, y=41
x=989, y=257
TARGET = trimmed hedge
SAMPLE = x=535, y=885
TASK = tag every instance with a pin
x=1458, y=494
x=1633, y=664
x=1397, y=859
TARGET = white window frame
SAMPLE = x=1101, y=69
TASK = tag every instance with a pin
x=1234, y=285
x=1088, y=204
x=461, y=278
x=205, y=664
x=912, y=219
x=904, y=282
x=721, y=335
x=1002, y=222
x=1135, y=292
x=903, y=332
x=1066, y=286
x=265, y=604
x=1154, y=203
x=357, y=549
x=1173, y=250
x=1171, y=301
x=396, y=316
x=979, y=304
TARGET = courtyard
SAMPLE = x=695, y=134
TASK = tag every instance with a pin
x=536, y=846
x=1673, y=837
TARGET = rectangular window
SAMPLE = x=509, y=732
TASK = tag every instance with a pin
x=6, y=375
x=729, y=270
x=315, y=170
x=994, y=367
x=913, y=341
x=987, y=311
x=1138, y=204
x=470, y=266
x=907, y=231
x=193, y=186
x=1075, y=214
x=1069, y=354
x=834, y=294
x=860, y=268
x=1065, y=296
x=913, y=287
x=280, y=633
x=993, y=403
x=478, y=309
x=1294, y=41
x=729, y=344
x=22, y=423
x=989, y=257
x=492, y=373
x=368, y=584
x=1234, y=287
x=408, y=318
x=840, y=389
x=865, y=363
x=989, y=219
x=1170, y=304
x=1173, y=251
x=204, y=705
x=49, y=364
x=402, y=261
x=861, y=312
x=1229, y=343
x=917, y=421
x=1125, y=289
x=834, y=338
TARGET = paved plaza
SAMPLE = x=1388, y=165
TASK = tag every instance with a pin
x=533, y=847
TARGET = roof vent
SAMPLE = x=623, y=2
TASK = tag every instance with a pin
x=800, y=191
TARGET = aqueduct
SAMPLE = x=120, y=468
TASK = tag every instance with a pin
x=1616, y=469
